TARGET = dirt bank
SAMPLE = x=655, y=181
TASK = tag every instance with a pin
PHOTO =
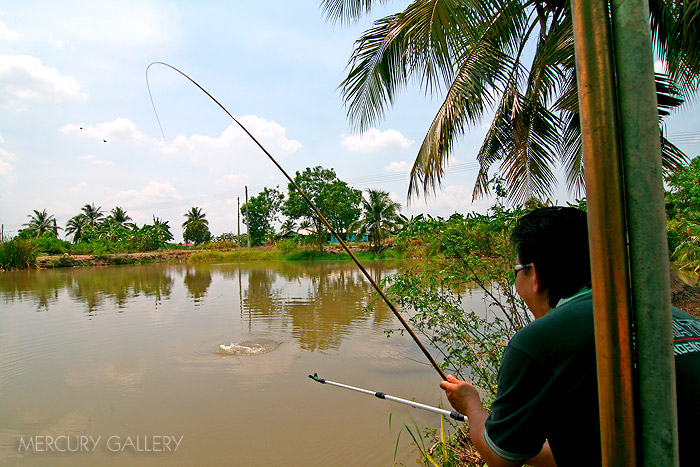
x=66, y=260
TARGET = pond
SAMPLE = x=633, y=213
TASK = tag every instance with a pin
x=205, y=364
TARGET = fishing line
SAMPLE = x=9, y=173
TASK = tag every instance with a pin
x=313, y=207
x=380, y=395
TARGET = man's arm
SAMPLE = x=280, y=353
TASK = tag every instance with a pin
x=465, y=399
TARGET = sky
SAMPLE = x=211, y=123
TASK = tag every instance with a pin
x=77, y=125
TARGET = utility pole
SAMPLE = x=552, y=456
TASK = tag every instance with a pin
x=238, y=200
x=627, y=232
x=247, y=216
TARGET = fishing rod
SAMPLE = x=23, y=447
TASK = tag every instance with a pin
x=380, y=395
x=313, y=207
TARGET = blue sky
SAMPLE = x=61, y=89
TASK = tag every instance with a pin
x=77, y=126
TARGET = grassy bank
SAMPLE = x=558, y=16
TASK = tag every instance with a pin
x=271, y=253
x=21, y=258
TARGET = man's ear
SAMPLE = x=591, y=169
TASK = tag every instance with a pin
x=536, y=282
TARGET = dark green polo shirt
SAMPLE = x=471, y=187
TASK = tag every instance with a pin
x=547, y=387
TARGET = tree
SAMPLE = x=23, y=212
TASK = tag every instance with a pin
x=197, y=232
x=151, y=237
x=683, y=215
x=379, y=216
x=288, y=225
x=475, y=52
x=75, y=226
x=338, y=202
x=40, y=223
x=196, y=227
x=195, y=215
x=93, y=215
x=119, y=217
x=259, y=214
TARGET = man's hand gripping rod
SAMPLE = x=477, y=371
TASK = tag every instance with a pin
x=456, y=415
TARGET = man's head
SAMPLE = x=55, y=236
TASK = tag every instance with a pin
x=555, y=241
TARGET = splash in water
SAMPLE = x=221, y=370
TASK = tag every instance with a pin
x=247, y=348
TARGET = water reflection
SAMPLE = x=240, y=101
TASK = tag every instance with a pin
x=318, y=303
x=118, y=347
x=95, y=288
x=198, y=279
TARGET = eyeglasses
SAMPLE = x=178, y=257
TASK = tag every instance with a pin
x=518, y=267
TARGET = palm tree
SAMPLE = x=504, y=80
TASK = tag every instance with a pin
x=92, y=214
x=41, y=222
x=194, y=215
x=379, y=216
x=119, y=217
x=288, y=226
x=474, y=51
x=75, y=227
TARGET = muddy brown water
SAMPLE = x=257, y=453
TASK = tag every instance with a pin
x=204, y=365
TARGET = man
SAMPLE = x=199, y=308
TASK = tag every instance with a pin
x=546, y=408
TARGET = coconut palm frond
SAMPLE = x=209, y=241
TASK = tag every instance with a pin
x=528, y=166
x=475, y=48
x=552, y=62
x=471, y=94
x=377, y=71
x=347, y=11
x=675, y=28
x=420, y=42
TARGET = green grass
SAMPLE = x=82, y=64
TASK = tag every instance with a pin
x=233, y=256
x=298, y=254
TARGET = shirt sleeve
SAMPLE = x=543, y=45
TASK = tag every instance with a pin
x=515, y=428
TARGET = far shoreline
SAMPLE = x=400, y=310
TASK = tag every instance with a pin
x=66, y=260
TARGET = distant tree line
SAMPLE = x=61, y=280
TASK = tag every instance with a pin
x=95, y=231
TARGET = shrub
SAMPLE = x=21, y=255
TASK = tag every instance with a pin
x=50, y=245
x=18, y=253
x=305, y=255
x=287, y=246
x=219, y=245
x=389, y=254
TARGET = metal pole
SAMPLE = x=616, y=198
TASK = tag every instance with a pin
x=380, y=395
x=238, y=200
x=607, y=230
x=247, y=217
x=646, y=220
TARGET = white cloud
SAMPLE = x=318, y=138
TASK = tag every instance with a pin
x=24, y=78
x=95, y=160
x=121, y=27
x=374, y=140
x=234, y=178
x=79, y=187
x=118, y=130
x=5, y=167
x=56, y=43
x=152, y=192
x=398, y=167
x=8, y=34
x=448, y=200
x=234, y=149
x=5, y=158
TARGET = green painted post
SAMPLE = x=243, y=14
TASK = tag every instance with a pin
x=646, y=222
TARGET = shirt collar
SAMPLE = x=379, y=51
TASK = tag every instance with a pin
x=584, y=291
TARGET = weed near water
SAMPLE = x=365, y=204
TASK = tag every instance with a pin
x=17, y=254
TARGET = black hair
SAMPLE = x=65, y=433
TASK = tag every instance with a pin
x=556, y=240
